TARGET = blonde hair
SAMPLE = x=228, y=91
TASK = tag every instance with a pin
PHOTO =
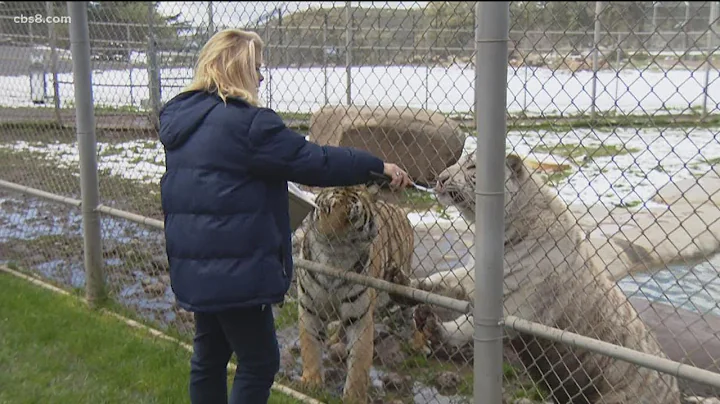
x=227, y=65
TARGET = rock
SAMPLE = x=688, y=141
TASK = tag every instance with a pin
x=422, y=142
x=381, y=332
x=653, y=238
x=295, y=347
x=523, y=400
x=185, y=316
x=447, y=381
x=685, y=337
x=696, y=191
x=338, y=352
x=154, y=289
x=334, y=375
x=389, y=351
x=160, y=262
x=381, y=401
x=396, y=382
x=287, y=362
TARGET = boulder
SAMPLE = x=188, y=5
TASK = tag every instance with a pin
x=686, y=337
x=422, y=142
x=695, y=191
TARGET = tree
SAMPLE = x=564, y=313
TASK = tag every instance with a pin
x=122, y=24
x=452, y=25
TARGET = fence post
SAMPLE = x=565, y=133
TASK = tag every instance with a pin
x=491, y=44
x=325, y=58
x=710, y=53
x=686, y=37
x=153, y=71
x=348, y=51
x=596, y=50
x=270, y=59
x=426, y=59
x=211, y=22
x=654, y=41
x=52, y=38
x=130, y=43
x=85, y=121
x=618, y=56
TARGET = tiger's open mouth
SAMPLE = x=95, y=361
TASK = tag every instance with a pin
x=451, y=197
x=456, y=196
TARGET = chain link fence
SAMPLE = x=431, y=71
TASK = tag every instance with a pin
x=613, y=105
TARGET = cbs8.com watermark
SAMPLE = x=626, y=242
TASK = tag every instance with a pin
x=41, y=19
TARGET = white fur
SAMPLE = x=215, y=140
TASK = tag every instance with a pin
x=549, y=278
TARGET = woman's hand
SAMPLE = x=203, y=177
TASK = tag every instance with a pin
x=400, y=179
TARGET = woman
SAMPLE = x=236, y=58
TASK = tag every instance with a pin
x=225, y=202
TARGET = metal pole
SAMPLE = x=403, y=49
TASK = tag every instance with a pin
x=685, y=29
x=270, y=55
x=132, y=65
x=617, y=72
x=622, y=353
x=281, y=36
x=596, y=46
x=211, y=23
x=709, y=57
x=426, y=61
x=525, y=89
x=53, y=60
x=427, y=85
x=325, y=58
x=348, y=52
x=153, y=71
x=87, y=149
x=491, y=44
x=654, y=22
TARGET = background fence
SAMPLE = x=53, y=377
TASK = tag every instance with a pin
x=614, y=103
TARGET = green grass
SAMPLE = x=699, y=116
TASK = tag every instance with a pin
x=55, y=349
x=573, y=150
x=712, y=161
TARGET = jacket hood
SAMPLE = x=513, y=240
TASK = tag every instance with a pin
x=182, y=115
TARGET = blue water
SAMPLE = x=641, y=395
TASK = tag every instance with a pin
x=696, y=289
x=32, y=218
x=29, y=218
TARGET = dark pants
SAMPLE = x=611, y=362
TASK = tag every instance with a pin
x=250, y=333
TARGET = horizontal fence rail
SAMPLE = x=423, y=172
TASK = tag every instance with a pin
x=461, y=307
x=610, y=259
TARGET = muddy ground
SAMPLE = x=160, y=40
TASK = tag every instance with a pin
x=45, y=239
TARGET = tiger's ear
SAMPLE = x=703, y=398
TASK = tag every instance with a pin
x=516, y=165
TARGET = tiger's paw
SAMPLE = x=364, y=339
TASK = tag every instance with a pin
x=312, y=380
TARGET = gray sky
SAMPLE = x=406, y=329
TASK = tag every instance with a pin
x=234, y=13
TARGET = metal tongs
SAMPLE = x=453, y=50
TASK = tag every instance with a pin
x=386, y=179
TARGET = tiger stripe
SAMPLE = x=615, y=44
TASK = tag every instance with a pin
x=350, y=230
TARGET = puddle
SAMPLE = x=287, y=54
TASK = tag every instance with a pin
x=29, y=218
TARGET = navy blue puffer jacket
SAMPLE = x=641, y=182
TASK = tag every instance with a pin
x=225, y=198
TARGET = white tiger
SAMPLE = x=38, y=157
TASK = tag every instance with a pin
x=548, y=279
